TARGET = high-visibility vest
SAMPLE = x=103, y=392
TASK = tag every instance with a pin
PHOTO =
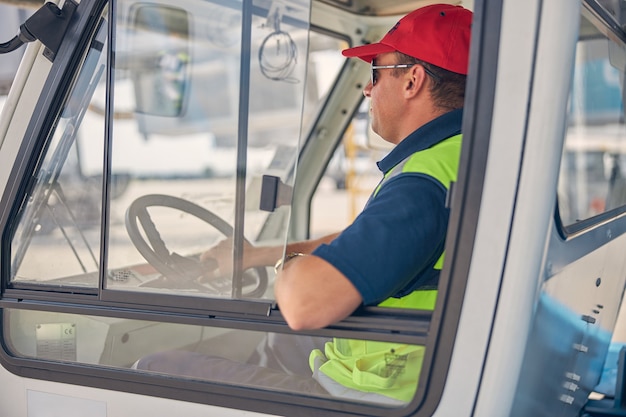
x=387, y=372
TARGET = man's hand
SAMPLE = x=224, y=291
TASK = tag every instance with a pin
x=218, y=260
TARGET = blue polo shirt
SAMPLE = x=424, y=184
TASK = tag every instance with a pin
x=392, y=246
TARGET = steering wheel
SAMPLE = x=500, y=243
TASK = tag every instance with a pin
x=179, y=271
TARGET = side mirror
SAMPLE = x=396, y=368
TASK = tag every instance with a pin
x=158, y=59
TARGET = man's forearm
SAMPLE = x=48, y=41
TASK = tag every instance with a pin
x=268, y=255
x=308, y=246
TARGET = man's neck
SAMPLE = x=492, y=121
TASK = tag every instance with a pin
x=426, y=115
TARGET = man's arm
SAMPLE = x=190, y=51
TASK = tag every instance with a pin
x=380, y=253
x=255, y=256
x=264, y=256
x=312, y=294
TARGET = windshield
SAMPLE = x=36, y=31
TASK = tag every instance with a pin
x=195, y=143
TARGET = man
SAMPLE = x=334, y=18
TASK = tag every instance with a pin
x=392, y=253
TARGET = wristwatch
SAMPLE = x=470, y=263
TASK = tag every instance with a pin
x=279, y=263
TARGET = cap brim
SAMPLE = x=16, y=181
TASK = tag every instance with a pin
x=367, y=52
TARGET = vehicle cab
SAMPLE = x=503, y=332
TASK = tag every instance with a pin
x=137, y=134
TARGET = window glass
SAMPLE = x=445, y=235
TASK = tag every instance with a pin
x=593, y=168
x=350, y=177
x=57, y=240
x=271, y=361
x=198, y=128
x=182, y=169
x=180, y=152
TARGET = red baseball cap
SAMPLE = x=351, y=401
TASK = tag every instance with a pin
x=438, y=34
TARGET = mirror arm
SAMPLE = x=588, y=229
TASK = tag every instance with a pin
x=48, y=24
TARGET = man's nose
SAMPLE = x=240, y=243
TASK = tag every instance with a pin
x=367, y=89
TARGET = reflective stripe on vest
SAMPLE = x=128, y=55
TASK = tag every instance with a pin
x=371, y=370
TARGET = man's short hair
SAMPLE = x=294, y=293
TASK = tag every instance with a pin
x=447, y=87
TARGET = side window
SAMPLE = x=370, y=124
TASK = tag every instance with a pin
x=350, y=177
x=161, y=150
x=194, y=149
x=593, y=168
x=57, y=239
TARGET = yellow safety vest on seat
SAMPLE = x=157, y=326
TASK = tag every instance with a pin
x=385, y=372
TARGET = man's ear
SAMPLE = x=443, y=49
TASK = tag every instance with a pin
x=416, y=80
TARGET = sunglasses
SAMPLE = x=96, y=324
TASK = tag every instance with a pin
x=375, y=68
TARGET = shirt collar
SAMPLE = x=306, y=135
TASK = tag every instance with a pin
x=433, y=132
